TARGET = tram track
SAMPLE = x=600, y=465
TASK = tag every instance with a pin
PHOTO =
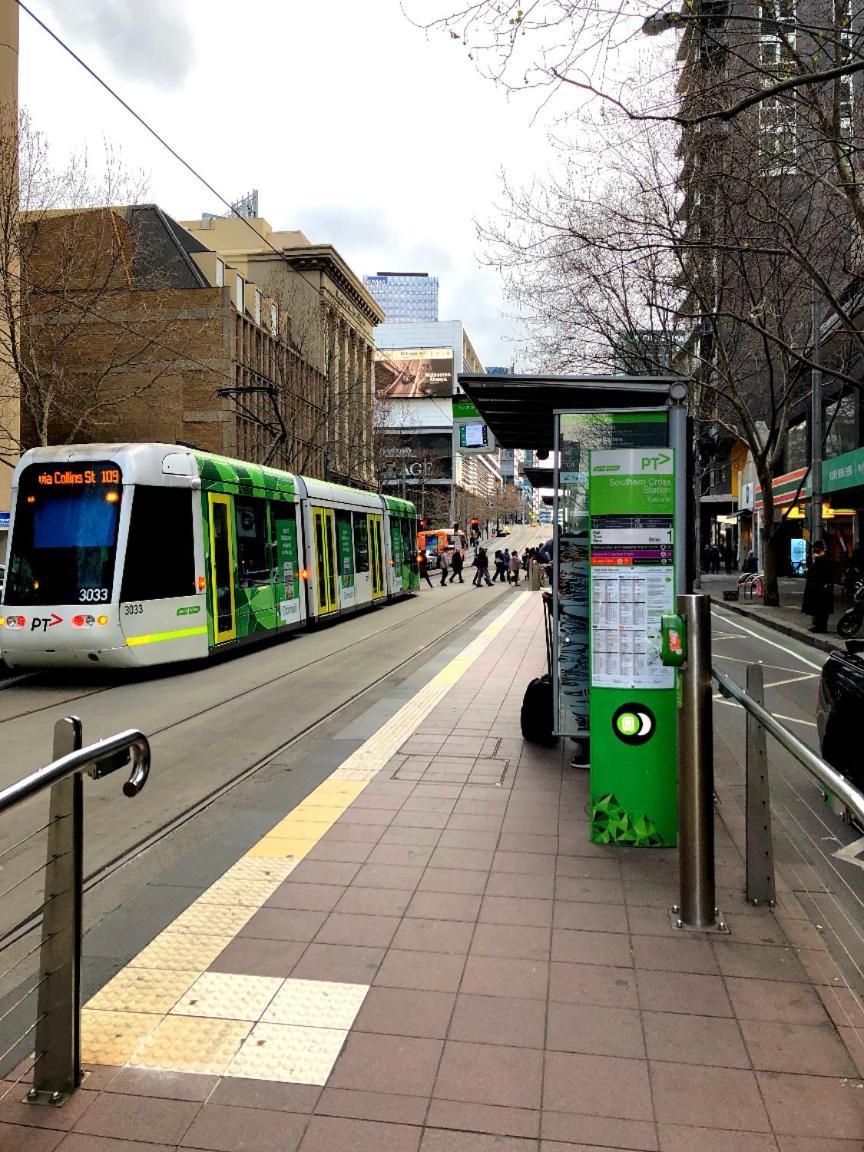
x=110, y=868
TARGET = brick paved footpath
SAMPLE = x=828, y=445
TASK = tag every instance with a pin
x=429, y=954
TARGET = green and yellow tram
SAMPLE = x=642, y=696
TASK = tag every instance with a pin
x=126, y=555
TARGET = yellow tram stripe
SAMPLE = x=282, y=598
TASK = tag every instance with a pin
x=155, y=637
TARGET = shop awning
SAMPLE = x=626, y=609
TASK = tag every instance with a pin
x=520, y=409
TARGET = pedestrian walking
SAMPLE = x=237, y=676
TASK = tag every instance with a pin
x=456, y=565
x=515, y=566
x=505, y=560
x=818, y=600
x=499, y=566
x=729, y=559
x=444, y=565
x=424, y=569
x=481, y=563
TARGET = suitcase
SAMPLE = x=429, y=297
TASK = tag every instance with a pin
x=537, y=716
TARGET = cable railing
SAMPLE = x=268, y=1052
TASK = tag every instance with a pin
x=40, y=1021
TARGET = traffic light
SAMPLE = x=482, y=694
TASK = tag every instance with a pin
x=475, y=523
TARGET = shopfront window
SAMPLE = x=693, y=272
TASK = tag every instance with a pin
x=839, y=424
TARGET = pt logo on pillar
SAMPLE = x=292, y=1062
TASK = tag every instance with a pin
x=633, y=723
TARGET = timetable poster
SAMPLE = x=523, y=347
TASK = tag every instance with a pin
x=632, y=586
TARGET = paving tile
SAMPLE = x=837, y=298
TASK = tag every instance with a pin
x=306, y=897
x=190, y=1044
x=422, y=837
x=400, y=855
x=378, y=1063
x=815, y=1050
x=589, y=891
x=143, y=990
x=816, y=1106
x=506, y=976
x=519, y=941
x=532, y=842
x=17, y=1138
x=675, y=1036
x=283, y=924
x=374, y=901
x=341, y=962
x=527, y=885
x=757, y=962
x=128, y=1117
x=316, y=1004
x=112, y=1037
x=355, y=833
x=592, y=984
x=610, y=948
x=162, y=1085
x=487, y=1118
x=356, y=929
x=438, y=820
x=591, y=917
x=241, y=1092
x=332, y=1134
x=680, y=1138
x=843, y=1006
x=15, y=1111
x=708, y=1097
x=440, y=1140
x=251, y=957
x=517, y=1022
x=524, y=863
x=424, y=971
x=389, y=876
x=288, y=1053
x=599, y=1085
x=225, y=1129
x=853, y=1038
x=212, y=919
x=341, y=851
x=228, y=996
x=232, y=891
x=595, y=1029
x=444, y=906
x=455, y=880
x=451, y=936
x=472, y=859
x=601, y=1131
x=384, y=1106
x=459, y=838
x=490, y=1074
x=324, y=872
x=688, y=992
x=516, y=910
x=472, y=822
x=406, y=1012
x=816, y=1144
x=673, y=955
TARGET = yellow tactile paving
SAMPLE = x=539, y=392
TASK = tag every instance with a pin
x=176, y=951
x=143, y=990
x=301, y=1032
x=228, y=996
x=288, y=1054
x=190, y=1044
x=213, y=919
x=316, y=1004
x=112, y=1037
x=233, y=891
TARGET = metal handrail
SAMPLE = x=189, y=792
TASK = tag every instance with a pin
x=827, y=776
x=90, y=759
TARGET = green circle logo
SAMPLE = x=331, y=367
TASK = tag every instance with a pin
x=628, y=724
x=633, y=723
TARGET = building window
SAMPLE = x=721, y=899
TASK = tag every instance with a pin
x=220, y=272
x=274, y=319
x=240, y=289
x=839, y=424
x=257, y=307
x=844, y=83
x=777, y=44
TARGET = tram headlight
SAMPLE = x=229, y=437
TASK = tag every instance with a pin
x=101, y=619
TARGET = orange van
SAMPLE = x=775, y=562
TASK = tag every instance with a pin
x=433, y=541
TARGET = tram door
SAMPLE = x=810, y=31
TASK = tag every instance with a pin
x=376, y=554
x=222, y=568
x=325, y=560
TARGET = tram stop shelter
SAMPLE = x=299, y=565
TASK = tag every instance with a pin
x=620, y=476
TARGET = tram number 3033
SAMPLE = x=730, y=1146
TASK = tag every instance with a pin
x=92, y=595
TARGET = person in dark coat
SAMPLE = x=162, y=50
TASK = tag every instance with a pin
x=481, y=563
x=424, y=569
x=456, y=566
x=818, y=600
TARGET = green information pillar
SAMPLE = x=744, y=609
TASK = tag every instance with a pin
x=633, y=711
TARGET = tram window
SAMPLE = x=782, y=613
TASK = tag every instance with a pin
x=344, y=548
x=160, y=553
x=252, y=565
x=361, y=542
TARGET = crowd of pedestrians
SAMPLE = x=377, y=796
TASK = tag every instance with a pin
x=506, y=566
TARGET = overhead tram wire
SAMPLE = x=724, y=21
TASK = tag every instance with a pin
x=140, y=119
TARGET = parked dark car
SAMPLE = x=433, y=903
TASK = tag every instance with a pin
x=839, y=710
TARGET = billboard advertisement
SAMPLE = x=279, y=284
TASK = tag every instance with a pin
x=423, y=457
x=414, y=372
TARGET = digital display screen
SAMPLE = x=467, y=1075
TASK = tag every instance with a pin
x=86, y=477
x=472, y=435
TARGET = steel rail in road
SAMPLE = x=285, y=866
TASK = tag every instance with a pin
x=820, y=769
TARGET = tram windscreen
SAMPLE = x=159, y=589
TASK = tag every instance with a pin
x=64, y=537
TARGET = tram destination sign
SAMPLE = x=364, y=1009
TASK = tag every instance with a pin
x=86, y=477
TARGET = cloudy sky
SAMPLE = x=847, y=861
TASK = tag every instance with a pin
x=354, y=126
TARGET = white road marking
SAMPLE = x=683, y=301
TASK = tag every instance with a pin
x=852, y=853
x=791, y=680
x=777, y=715
x=773, y=667
x=765, y=640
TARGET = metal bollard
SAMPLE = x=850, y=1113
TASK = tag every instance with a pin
x=534, y=575
x=760, y=849
x=696, y=909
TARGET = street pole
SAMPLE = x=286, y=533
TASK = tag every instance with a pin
x=815, y=421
